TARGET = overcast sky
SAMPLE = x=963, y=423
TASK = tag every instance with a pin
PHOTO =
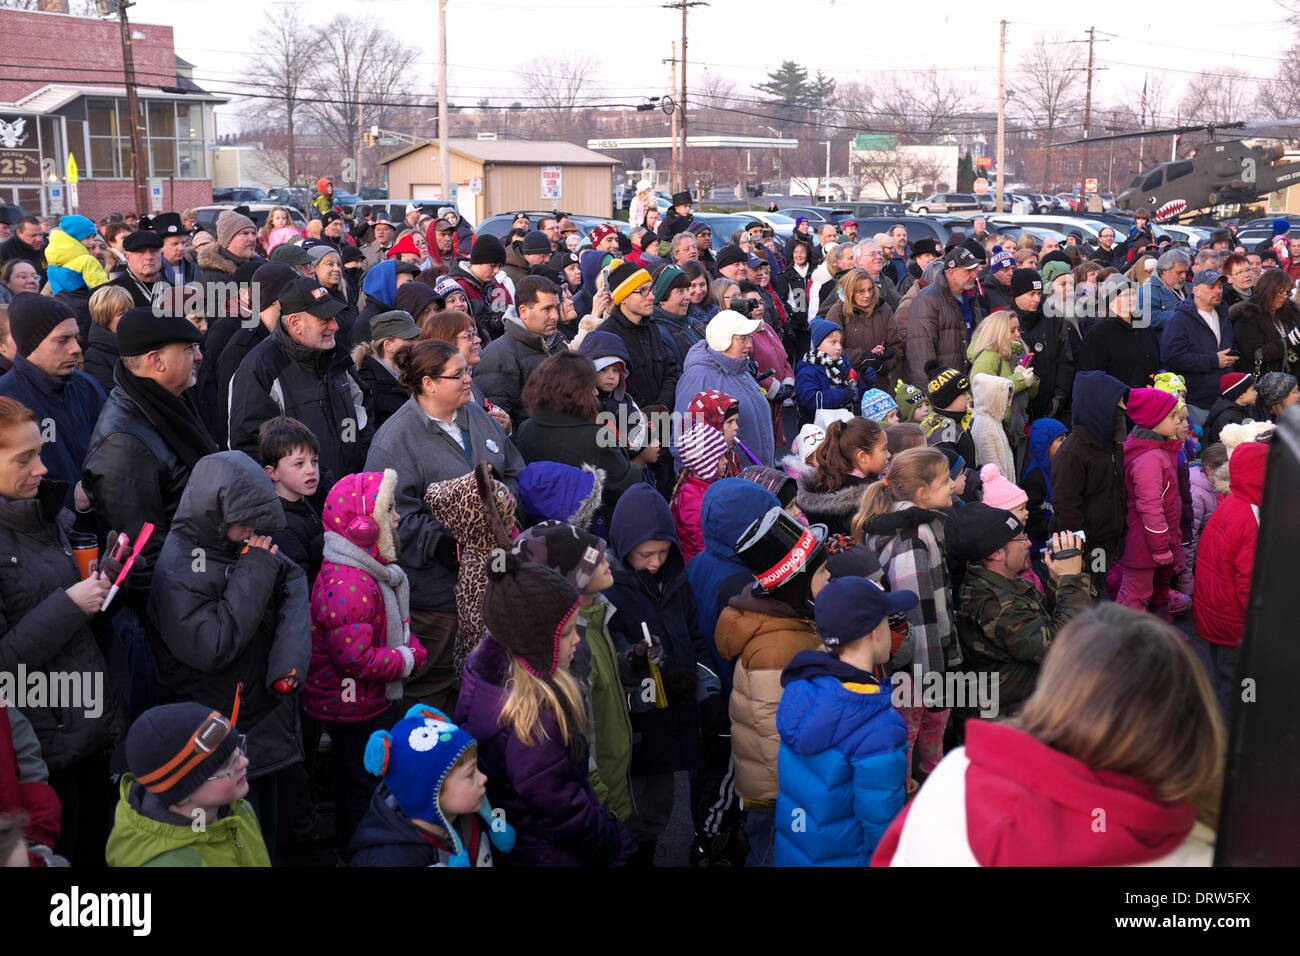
x=743, y=39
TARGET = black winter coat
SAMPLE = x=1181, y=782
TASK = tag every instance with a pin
x=1046, y=337
x=221, y=618
x=1115, y=347
x=100, y=356
x=211, y=409
x=557, y=436
x=78, y=300
x=43, y=630
x=652, y=375
x=1088, y=491
x=281, y=377
x=1258, y=339
x=236, y=350
x=386, y=392
x=508, y=361
x=302, y=540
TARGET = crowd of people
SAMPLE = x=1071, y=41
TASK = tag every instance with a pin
x=435, y=548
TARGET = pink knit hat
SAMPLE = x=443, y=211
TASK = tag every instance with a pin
x=702, y=448
x=1149, y=406
x=999, y=491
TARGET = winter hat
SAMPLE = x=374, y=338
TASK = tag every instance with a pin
x=809, y=439
x=1002, y=259
x=600, y=232
x=777, y=482
x=562, y=260
x=727, y=324
x=1148, y=407
x=624, y=279
x=820, y=328
x=526, y=609
x=1170, y=382
x=553, y=544
x=1025, y=280
x=876, y=404
x=552, y=490
x=535, y=243
x=414, y=297
x=142, y=239
x=546, y=272
x=1281, y=227
x=909, y=399
x=414, y=759
x=487, y=250
x=777, y=550
x=78, y=227
x=404, y=245
x=446, y=286
x=1053, y=271
x=32, y=317
x=944, y=384
x=357, y=508
x=730, y=255
x=712, y=407
x=294, y=255
x=229, y=223
x=670, y=278
x=172, y=749
x=850, y=608
x=977, y=530
x=1235, y=384
x=702, y=449
x=1000, y=491
x=1273, y=387
x=202, y=238
x=700, y=225
x=141, y=330
x=845, y=558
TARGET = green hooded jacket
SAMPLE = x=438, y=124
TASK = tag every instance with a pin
x=137, y=840
x=610, y=736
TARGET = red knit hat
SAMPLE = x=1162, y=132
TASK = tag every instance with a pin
x=712, y=407
x=600, y=232
x=1235, y=384
x=405, y=244
x=1149, y=406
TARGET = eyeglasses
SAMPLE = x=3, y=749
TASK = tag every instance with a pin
x=464, y=376
x=645, y=290
x=470, y=335
x=241, y=750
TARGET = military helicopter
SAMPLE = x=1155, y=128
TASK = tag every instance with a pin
x=1219, y=173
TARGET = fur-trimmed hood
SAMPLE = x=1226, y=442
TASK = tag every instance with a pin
x=358, y=508
x=844, y=502
x=992, y=395
x=214, y=257
x=554, y=491
x=476, y=508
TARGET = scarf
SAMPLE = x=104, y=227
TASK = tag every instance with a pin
x=834, y=367
x=174, y=418
x=394, y=587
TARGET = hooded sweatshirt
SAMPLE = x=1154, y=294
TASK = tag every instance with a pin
x=380, y=288
x=1005, y=799
x=843, y=762
x=1037, y=478
x=1088, y=471
x=1225, y=556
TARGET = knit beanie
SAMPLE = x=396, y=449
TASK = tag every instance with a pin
x=909, y=399
x=32, y=317
x=944, y=384
x=1053, y=271
x=820, y=328
x=1148, y=407
x=229, y=223
x=553, y=544
x=669, y=279
x=876, y=404
x=526, y=608
x=730, y=255
x=1000, y=491
x=1281, y=227
x=446, y=286
x=845, y=558
x=624, y=279
x=78, y=227
x=1002, y=259
x=1273, y=387
x=172, y=749
x=1235, y=384
x=702, y=449
x=487, y=250
x=552, y=490
x=414, y=760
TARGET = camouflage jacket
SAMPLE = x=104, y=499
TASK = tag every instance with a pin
x=1006, y=626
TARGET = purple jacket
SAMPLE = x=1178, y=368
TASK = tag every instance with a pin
x=543, y=790
x=1155, y=505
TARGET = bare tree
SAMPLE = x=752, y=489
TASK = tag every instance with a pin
x=563, y=88
x=1279, y=95
x=1224, y=96
x=1048, y=88
x=77, y=8
x=357, y=76
x=283, y=61
x=917, y=108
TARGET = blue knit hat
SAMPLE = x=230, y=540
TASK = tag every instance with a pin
x=819, y=329
x=1281, y=227
x=78, y=227
x=415, y=759
x=876, y=404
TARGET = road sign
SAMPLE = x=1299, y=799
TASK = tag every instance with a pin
x=476, y=186
x=155, y=195
x=387, y=141
x=72, y=170
x=1090, y=185
x=56, y=200
x=73, y=201
x=552, y=182
x=981, y=186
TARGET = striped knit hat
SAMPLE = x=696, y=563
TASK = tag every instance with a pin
x=624, y=279
x=702, y=449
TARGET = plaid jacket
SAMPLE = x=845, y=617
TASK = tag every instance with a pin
x=909, y=541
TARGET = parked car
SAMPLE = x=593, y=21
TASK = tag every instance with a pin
x=816, y=215
x=722, y=225
x=1089, y=227
x=239, y=194
x=945, y=202
x=781, y=224
x=285, y=196
x=917, y=227
x=499, y=226
x=371, y=193
x=257, y=211
x=873, y=208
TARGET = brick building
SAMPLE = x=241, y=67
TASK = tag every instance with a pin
x=63, y=94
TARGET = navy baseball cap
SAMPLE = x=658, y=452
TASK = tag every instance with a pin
x=849, y=609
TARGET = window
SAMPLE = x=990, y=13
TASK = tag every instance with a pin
x=1154, y=180
x=1178, y=169
x=171, y=138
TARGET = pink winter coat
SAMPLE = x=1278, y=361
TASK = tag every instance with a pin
x=686, y=514
x=1155, y=505
x=348, y=623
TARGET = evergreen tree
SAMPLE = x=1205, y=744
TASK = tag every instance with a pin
x=966, y=174
x=792, y=96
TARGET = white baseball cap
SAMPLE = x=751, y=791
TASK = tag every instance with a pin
x=724, y=325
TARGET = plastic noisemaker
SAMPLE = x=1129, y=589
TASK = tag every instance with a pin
x=661, y=695
x=146, y=532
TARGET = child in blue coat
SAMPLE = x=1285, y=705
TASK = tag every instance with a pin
x=823, y=379
x=843, y=760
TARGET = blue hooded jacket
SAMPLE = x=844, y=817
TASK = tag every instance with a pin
x=380, y=283
x=730, y=506
x=554, y=491
x=1041, y=435
x=1092, y=406
x=663, y=740
x=842, y=766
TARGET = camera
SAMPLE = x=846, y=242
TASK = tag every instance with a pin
x=745, y=307
x=1079, y=538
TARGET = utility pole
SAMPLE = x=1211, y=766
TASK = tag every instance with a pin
x=133, y=107
x=684, y=5
x=356, y=159
x=1087, y=120
x=672, y=85
x=444, y=149
x=1002, y=113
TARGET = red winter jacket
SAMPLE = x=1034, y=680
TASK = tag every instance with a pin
x=1155, y=505
x=1225, y=558
x=37, y=798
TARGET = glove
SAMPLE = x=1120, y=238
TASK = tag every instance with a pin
x=868, y=376
x=1027, y=374
x=408, y=660
x=109, y=567
x=1293, y=337
x=640, y=652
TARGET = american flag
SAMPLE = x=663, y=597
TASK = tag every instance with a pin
x=1144, y=102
